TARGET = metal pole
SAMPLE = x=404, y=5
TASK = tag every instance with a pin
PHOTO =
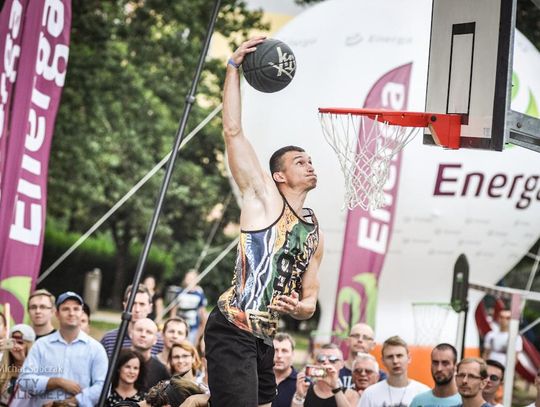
x=465, y=316
x=126, y=315
x=515, y=310
x=460, y=337
x=530, y=326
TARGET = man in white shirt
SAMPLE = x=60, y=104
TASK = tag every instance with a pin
x=397, y=390
x=496, y=341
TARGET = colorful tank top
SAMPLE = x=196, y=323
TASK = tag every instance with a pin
x=269, y=263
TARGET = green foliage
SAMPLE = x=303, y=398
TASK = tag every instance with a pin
x=131, y=65
x=95, y=252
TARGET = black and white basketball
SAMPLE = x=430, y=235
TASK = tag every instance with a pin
x=271, y=67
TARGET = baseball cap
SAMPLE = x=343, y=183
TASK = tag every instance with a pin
x=68, y=295
x=26, y=331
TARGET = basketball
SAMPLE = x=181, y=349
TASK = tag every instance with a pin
x=271, y=67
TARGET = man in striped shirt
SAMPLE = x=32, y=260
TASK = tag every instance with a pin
x=142, y=306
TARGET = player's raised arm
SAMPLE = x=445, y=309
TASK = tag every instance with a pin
x=243, y=162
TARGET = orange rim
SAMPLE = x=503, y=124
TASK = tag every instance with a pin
x=445, y=128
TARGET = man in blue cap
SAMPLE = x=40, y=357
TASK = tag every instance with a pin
x=66, y=365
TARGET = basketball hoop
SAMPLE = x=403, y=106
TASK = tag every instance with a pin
x=366, y=140
x=429, y=322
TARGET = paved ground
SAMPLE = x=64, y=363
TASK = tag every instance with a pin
x=107, y=316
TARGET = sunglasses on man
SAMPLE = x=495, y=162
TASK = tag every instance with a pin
x=324, y=358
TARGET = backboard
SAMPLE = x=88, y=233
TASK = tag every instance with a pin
x=470, y=73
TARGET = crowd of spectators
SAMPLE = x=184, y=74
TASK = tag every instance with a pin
x=48, y=363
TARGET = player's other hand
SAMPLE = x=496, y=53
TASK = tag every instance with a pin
x=286, y=304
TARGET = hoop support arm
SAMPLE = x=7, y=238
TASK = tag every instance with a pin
x=446, y=130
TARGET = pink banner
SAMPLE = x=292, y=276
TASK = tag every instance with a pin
x=38, y=86
x=11, y=20
x=368, y=233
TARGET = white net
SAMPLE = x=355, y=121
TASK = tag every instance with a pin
x=429, y=322
x=365, y=149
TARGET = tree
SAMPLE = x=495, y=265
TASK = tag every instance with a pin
x=131, y=64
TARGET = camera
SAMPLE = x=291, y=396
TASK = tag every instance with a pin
x=315, y=372
x=6, y=344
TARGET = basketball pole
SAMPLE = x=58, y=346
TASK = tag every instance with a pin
x=126, y=314
x=513, y=331
x=459, y=300
x=461, y=332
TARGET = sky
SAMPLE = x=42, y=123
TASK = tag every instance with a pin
x=288, y=7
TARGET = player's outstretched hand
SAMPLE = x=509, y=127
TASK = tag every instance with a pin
x=246, y=47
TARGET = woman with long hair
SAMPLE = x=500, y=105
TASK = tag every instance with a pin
x=185, y=364
x=184, y=360
x=21, y=338
x=128, y=379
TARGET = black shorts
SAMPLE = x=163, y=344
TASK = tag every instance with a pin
x=240, y=365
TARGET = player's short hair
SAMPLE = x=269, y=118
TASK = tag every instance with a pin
x=494, y=363
x=446, y=346
x=394, y=341
x=140, y=289
x=284, y=336
x=481, y=363
x=276, y=163
x=43, y=292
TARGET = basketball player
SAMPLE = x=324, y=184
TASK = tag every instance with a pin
x=276, y=269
